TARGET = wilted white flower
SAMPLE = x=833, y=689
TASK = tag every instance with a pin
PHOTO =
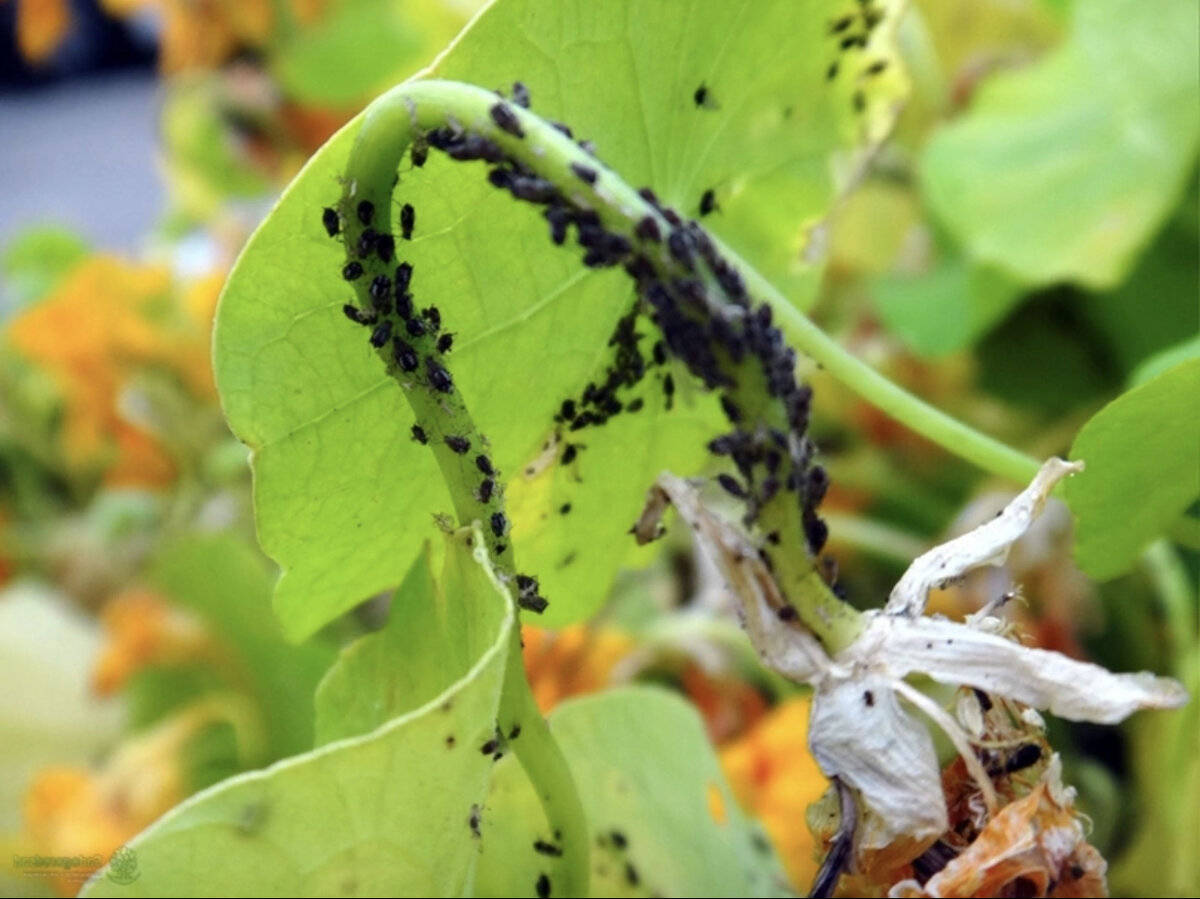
x=860, y=731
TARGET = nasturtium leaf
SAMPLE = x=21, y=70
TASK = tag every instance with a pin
x=228, y=584
x=434, y=633
x=385, y=814
x=663, y=819
x=343, y=496
x=1162, y=362
x=1141, y=452
x=1064, y=170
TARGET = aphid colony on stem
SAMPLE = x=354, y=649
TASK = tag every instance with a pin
x=696, y=301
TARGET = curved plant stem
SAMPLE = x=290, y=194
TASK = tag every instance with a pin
x=390, y=127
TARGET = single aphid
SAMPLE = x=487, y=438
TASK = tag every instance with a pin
x=366, y=211
x=506, y=119
x=418, y=434
x=520, y=94
x=332, y=221
x=438, y=376
x=584, y=173
x=499, y=525
x=484, y=464
x=408, y=218
x=460, y=445
x=708, y=202
x=445, y=342
x=381, y=334
x=406, y=357
x=352, y=271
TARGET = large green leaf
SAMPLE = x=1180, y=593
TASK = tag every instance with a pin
x=343, y=497
x=387, y=814
x=435, y=631
x=1064, y=170
x=1143, y=469
x=663, y=818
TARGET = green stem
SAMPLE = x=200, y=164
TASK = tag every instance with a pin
x=389, y=128
x=936, y=426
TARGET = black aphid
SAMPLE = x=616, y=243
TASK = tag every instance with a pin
x=404, y=305
x=559, y=218
x=500, y=548
x=332, y=221
x=545, y=848
x=499, y=525
x=352, y=271
x=360, y=316
x=532, y=189
x=588, y=147
x=849, y=43
x=543, y=887
x=618, y=839
x=564, y=509
x=584, y=173
x=484, y=464
x=817, y=533
x=406, y=357
x=832, y=71
x=567, y=411
x=732, y=485
x=520, y=94
x=474, y=820
x=506, y=119
x=514, y=732
x=381, y=334
x=877, y=67
x=438, y=376
x=669, y=388
x=458, y=444
x=445, y=342
x=408, y=218
x=570, y=453
x=631, y=875
x=381, y=287
x=708, y=202
x=415, y=326
x=403, y=276
x=647, y=229
x=366, y=211
x=564, y=129
x=433, y=316
x=732, y=412
x=839, y=25
x=420, y=152
x=681, y=248
x=418, y=434
x=700, y=97
x=787, y=613
x=490, y=746
x=635, y=405
x=385, y=247
x=366, y=242
x=486, y=487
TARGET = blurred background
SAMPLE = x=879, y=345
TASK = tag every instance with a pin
x=141, y=141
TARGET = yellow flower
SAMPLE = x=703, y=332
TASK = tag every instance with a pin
x=142, y=629
x=570, y=662
x=774, y=777
x=105, y=322
x=41, y=27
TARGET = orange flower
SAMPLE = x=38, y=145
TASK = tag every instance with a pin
x=201, y=34
x=774, y=776
x=77, y=812
x=102, y=325
x=570, y=662
x=41, y=27
x=142, y=629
